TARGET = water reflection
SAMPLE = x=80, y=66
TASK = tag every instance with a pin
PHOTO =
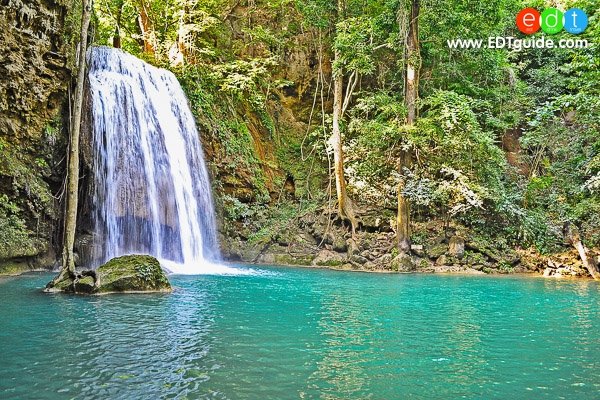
x=347, y=337
x=307, y=334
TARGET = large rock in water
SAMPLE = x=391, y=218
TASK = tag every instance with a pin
x=125, y=274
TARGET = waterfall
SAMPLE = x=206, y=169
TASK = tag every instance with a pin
x=151, y=189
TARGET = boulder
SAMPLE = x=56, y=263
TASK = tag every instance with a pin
x=327, y=258
x=403, y=263
x=352, y=247
x=456, y=247
x=356, y=259
x=384, y=261
x=441, y=260
x=435, y=251
x=418, y=250
x=125, y=274
x=339, y=244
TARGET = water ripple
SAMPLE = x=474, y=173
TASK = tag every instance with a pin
x=288, y=333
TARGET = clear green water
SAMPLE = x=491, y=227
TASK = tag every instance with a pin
x=308, y=334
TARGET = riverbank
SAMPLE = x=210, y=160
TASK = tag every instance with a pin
x=318, y=238
x=14, y=268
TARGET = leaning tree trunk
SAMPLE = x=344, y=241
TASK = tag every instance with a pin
x=588, y=261
x=68, y=261
x=412, y=64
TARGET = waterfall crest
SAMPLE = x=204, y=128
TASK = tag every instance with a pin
x=151, y=189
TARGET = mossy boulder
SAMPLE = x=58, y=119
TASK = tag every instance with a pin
x=125, y=274
x=403, y=263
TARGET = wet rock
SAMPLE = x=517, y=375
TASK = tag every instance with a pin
x=126, y=274
x=346, y=266
x=14, y=267
x=266, y=258
x=294, y=259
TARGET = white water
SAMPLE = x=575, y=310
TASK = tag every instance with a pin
x=151, y=194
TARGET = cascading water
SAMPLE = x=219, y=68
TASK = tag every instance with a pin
x=151, y=189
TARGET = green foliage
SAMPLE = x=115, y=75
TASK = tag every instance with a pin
x=243, y=75
x=235, y=210
x=26, y=178
x=278, y=220
x=14, y=235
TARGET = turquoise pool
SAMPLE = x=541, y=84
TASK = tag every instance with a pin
x=286, y=333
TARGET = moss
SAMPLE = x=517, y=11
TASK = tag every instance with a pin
x=13, y=268
x=286, y=259
x=131, y=273
x=330, y=263
x=423, y=264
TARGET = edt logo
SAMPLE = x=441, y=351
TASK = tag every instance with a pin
x=552, y=21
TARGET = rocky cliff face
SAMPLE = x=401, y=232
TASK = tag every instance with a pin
x=33, y=80
x=33, y=70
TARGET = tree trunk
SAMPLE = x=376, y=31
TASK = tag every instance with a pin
x=412, y=64
x=588, y=261
x=403, y=216
x=345, y=207
x=68, y=262
x=117, y=39
x=146, y=29
x=119, y=17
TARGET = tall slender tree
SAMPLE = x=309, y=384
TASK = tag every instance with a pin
x=345, y=206
x=68, y=261
x=412, y=65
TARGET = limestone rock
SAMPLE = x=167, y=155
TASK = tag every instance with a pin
x=403, y=263
x=418, y=250
x=456, y=247
x=435, y=251
x=125, y=274
x=352, y=247
x=327, y=258
x=356, y=259
x=441, y=260
x=384, y=261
